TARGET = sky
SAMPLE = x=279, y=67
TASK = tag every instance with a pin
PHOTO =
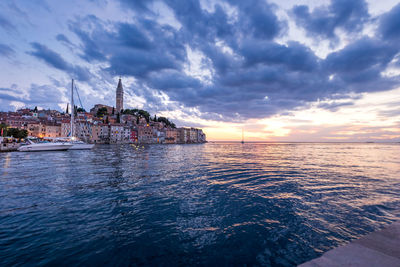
x=306, y=71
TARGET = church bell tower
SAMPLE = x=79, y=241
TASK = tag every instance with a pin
x=120, y=97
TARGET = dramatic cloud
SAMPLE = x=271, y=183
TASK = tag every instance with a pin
x=390, y=24
x=55, y=60
x=340, y=14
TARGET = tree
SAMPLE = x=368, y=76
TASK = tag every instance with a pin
x=67, y=111
x=144, y=114
x=17, y=133
x=113, y=111
x=155, y=118
x=22, y=134
x=107, y=121
x=80, y=109
x=101, y=112
x=118, y=118
x=166, y=122
x=35, y=109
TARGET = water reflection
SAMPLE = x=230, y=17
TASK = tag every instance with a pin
x=229, y=204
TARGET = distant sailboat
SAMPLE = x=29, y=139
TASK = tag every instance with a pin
x=242, y=136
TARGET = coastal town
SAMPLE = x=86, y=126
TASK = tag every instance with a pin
x=101, y=125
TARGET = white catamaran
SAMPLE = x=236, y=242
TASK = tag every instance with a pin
x=76, y=144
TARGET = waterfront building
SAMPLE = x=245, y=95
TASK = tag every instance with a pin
x=96, y=133
x=193, y=135
x=36, y=129
x=171, y=136
x=65, y=128
x=184, y=135
x=145, y=134
x=119, y=133
x=104, y=133
x=201, y=138
x=83, y=130
x=134, y=136
x=119, y=97
x=52, y=130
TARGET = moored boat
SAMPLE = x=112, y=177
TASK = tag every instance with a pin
x=32, y=146
x=80, y=145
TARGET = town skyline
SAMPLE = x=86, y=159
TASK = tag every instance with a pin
x=282, y=70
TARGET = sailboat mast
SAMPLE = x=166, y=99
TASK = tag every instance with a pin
x=72, y=109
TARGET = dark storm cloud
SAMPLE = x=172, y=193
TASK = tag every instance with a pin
x=251, y=75
x=295, y=55
x=173, y=80
x=6, y=50
x=323, y=21
x=49, y=56
x=90, y=48
x=258, y=17
x=359, y=65
x=390, y=24
x=361, y=55
x=55, y=60
x=128, y=50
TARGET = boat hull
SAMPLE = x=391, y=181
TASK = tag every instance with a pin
x=46, y=147
x=81, y=146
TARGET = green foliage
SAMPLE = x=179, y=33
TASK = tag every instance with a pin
x=138, y=113
x=118, y=118
x=101, y=112
x=166, y=122
x=14, y=132
x=113, y=111
x=80, y=110
x=144, y=114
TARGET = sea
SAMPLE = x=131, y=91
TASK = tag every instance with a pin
x=214, y=204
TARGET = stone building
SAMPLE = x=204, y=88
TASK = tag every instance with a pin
x=119, y=97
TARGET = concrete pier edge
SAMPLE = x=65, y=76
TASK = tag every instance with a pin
x=379, y=248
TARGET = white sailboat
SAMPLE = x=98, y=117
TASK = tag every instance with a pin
x=76, y=144
x=43, y=146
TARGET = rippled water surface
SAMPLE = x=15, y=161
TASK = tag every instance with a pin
x=211, y=204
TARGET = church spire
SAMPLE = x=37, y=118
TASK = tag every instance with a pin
x=120, y=96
